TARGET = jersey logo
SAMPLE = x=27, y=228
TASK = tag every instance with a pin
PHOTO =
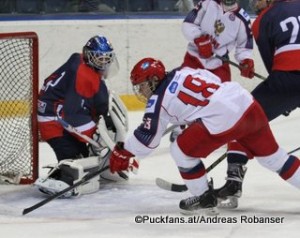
x=231, y=17
x=147, y=123
x=41, y=106
x=219, y=27
x=54, y=82
x=172, y=88
x=244, y=14
x=150, y=108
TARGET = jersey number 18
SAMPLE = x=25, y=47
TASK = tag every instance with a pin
x=199, y=86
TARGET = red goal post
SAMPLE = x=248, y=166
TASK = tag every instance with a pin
x=18, y=107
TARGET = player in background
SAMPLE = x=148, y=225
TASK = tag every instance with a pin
x=216, y=113
x=184, y=5
x=215, y=28
x=76, y=93
x=276, y=32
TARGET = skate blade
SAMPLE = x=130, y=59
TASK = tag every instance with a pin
x=229, y=203
x=211, y=211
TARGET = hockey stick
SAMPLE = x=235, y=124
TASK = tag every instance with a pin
x=104, y=135
x=86, y=178
x=292, y=151
x=169, y=129
x=182, y=187
x=224, y=59
x=73, y=130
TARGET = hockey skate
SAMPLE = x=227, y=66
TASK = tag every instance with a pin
x=207, y=203
x=229, y=194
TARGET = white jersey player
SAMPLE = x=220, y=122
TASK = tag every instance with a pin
x=215, y=28
x=216, y=113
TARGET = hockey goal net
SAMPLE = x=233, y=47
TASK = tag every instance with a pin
x=18, y=113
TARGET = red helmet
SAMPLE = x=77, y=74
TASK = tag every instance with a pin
x=146, y=69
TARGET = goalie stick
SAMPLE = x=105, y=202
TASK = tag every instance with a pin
x=119, y=116
x=86, y=178
x=73, y=130
x=106, y=138
x=163, y=184
x=104, y=135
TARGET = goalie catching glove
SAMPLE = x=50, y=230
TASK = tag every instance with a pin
x=122, y=159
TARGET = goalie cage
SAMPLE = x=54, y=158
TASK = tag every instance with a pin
x=18, y=107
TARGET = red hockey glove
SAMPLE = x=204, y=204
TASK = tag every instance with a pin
x=204, y=45
x=122, y=159
x=247, y=68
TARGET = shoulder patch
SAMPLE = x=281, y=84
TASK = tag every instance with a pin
x=173, y=86
x=244, y=14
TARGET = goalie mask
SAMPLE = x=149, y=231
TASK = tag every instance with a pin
x=99, y=54
x=146, y=76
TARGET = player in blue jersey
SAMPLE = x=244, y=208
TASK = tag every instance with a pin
x=76, y=94
x=276, y=32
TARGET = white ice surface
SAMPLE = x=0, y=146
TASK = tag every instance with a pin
x=111, y=212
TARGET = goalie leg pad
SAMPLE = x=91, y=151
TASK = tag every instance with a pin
x=52, y=186
x=84, y=166
x=68, y=172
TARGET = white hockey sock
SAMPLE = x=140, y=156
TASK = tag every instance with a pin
x=290, y=171
x=197, y=186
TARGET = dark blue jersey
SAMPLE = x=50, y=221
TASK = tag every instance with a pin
x=277, y=34
x=75, y=92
